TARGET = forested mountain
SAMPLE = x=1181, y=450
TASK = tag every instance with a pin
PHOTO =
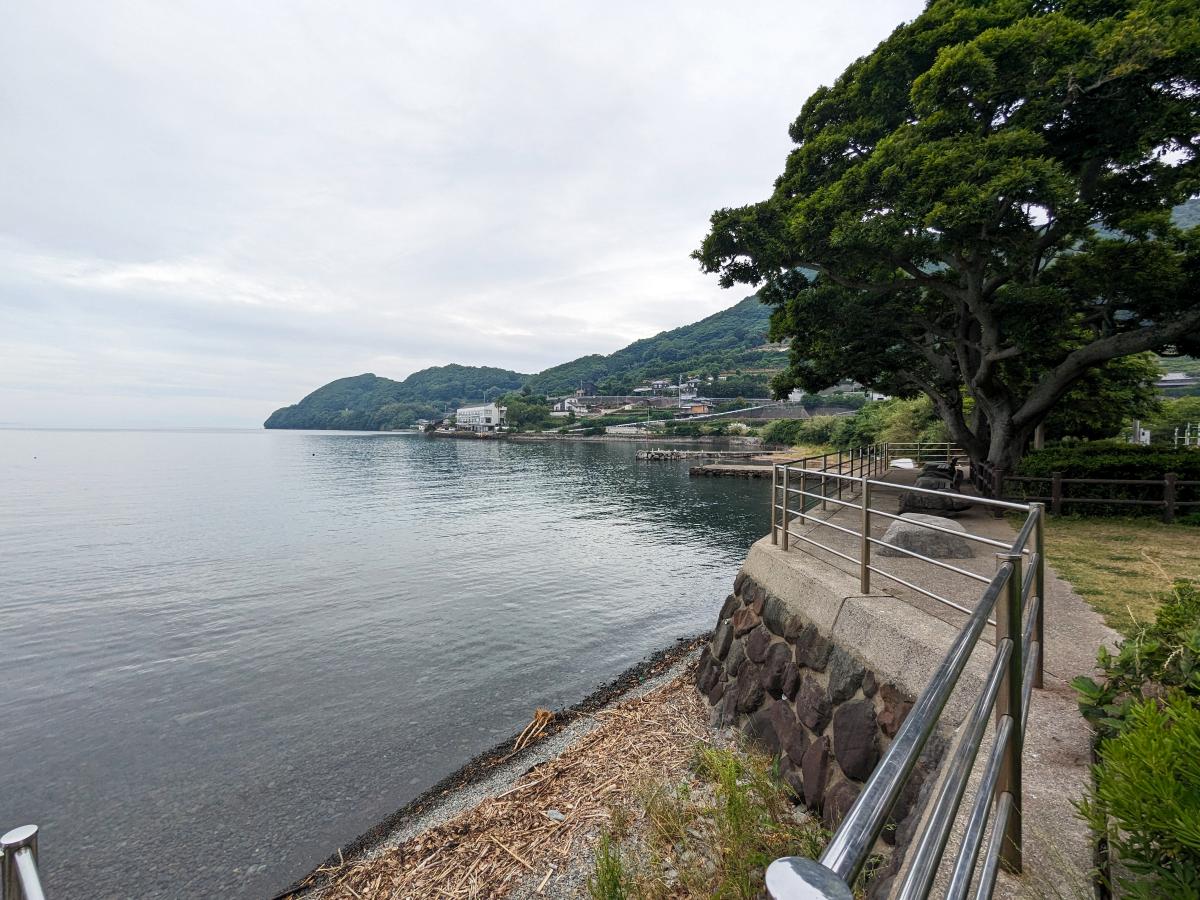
x=728, y=340
x=723, y=341
x=371, y=403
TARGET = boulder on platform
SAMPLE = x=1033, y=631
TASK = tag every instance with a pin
x=910, y=533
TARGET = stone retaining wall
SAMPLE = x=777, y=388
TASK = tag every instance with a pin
x=813, y=702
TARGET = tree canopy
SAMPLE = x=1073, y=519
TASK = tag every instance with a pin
x=986, y=202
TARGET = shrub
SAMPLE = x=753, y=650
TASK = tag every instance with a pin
x=1165, y=653
x=1110, y=459
x=899, y=421
x=1146, y=798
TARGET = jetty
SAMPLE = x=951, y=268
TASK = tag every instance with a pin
x=731, y=470
x=663, y=453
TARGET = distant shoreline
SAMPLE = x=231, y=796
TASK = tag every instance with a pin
x=731, y=440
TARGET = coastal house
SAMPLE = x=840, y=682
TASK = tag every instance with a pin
x=484, y=419
x=563, y=408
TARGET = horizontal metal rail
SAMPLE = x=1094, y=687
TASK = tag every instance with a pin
x=851, y=844
x=974, y=576
x=1012, y=601
x=991, y=862
x=977, y=538
x=904, y=488
x=928, y=847
x=923, y=591
x=976, y=825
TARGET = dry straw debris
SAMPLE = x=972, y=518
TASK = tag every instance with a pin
x=550, y=813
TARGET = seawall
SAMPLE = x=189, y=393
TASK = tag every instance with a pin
x=823, y=676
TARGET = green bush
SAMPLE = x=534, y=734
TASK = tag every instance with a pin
x=1110, y=459
x=1146, y=798
x=1165, y=653
x=899, y=421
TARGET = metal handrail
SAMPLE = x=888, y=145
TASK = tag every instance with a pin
x=19, y=879
x=1015, y=595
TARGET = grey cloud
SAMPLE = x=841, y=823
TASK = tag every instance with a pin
x=210, y=208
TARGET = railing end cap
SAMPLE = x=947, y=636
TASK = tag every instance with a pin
x=800, y=878
x=21, y=836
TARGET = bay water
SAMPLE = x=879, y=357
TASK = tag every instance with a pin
x=225, y=653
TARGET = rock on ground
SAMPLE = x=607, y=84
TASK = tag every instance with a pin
x=908, y=532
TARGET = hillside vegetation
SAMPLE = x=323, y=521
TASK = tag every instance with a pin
x=730, y=340
x=371, y=403
x=725, y=341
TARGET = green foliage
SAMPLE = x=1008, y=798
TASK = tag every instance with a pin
x=527, y=412
x=1115, y=460
x=721, y=342
x=1106, y=398
x=896, y=420
x=1146, y=798
x=368, y=402
x=1111, y=459
x=946, y=190
x=1165, y=652
x=608, y=880
x=1173, y=413
x=739, y=386
x=714, y=834
x=1145, y=794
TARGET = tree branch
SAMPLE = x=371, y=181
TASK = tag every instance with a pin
x=1052, y=387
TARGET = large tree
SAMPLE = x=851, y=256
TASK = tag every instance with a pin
x=979, y=210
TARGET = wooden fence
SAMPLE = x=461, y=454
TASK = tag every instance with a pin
x=1055, y=491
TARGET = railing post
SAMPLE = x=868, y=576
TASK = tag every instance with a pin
x=775, y=505
x=786, y=524
x=1008, y=703
x=1169, y=497
x=839, y=481
x=1056, y=493
x=18, y=864
x=864, y=554
x=1039, y=586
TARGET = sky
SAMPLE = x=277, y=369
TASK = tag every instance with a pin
x=209, y=209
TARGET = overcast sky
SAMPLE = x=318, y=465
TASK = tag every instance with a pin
x=209, y=209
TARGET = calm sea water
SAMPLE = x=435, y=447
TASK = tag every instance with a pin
x=223, y=654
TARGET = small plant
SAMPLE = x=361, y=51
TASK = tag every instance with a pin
x=1164, y=654
x=709, y=835
x=1146, y=798
x=608, y=880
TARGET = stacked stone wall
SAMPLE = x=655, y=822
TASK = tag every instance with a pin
x=825, y=715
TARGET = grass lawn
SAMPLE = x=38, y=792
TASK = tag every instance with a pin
x=1120, y=565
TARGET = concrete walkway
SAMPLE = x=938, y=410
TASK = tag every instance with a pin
x=1058, y=742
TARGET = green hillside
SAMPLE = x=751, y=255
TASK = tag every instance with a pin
x=725, y=341
x=721, y=342
x=371, y=403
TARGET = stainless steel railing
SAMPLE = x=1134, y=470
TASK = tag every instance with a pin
x=1011, y=602
x=19, y=879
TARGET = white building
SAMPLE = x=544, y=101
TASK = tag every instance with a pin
x=481, y=419
x=565, y=407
